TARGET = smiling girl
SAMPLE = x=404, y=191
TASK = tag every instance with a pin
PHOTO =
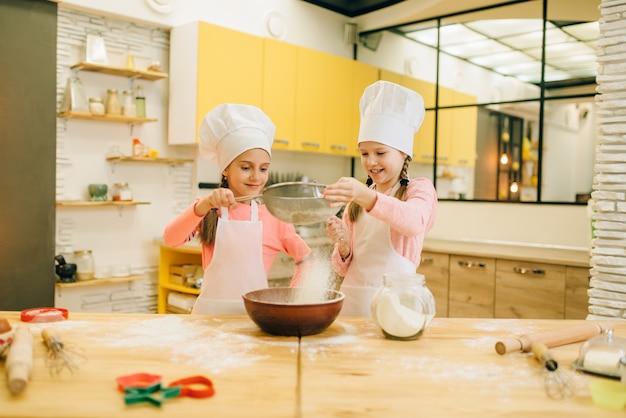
x=383, y=227
x=239, y=239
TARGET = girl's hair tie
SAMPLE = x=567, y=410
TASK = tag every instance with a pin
x=404, y=182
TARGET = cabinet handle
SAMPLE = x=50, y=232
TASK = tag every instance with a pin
x=339, y=147
x=282, y=141
x=428, y=260
x=524, y=270
x=471, y=264
x=311, y=144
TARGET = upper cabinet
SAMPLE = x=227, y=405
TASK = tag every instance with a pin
x=279, y=90
x=210, y=65
x=311, y=96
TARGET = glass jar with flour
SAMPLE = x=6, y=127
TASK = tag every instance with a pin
x=403, y=307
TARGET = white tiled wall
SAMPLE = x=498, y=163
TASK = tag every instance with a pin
x=607, y=293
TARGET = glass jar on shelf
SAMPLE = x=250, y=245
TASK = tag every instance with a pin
x=84, y=264
x=403, y=307
x=128, y=107
x=113, y=103
x=96, y=106
x=121, y=192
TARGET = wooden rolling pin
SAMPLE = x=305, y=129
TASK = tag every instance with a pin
x=552, y=338
x=19, y=363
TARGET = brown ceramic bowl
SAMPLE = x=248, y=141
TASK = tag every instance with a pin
x=292, y=310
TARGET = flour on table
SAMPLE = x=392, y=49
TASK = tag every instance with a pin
x=213, y=349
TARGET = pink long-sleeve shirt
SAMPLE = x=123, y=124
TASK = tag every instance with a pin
x=409, y=221
x=278, y=236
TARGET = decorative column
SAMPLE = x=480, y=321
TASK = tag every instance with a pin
x=607, y=292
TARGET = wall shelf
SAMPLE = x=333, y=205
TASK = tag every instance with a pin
x=96, y=282
x=119, y=71
x=100, y=203
x=107, y=118
x=123, y=158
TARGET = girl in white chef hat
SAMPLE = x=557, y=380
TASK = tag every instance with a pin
x=239, y=239
x=383, y=227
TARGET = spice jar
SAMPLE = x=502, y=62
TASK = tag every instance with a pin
x=84, y=264
x=403, y=307
x=121, y=192
x=129, y=108
x=113, y=103
x=96, y=106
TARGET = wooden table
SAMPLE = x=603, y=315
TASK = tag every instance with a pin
x=350, y=370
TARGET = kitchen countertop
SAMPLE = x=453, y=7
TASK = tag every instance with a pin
x=570, y=256
x=350, y=370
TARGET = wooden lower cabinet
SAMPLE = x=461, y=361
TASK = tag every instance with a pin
x=471, y=287
x=529, y=290
x=576, y=297
x=488, y=285
x=435, y=267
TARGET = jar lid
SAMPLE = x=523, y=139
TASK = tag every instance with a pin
x=112, y=90
x=95, y=99
x=120, y=184
x=129, y=92
x=82, y=251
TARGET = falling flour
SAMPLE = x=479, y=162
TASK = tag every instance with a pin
x=316, y=279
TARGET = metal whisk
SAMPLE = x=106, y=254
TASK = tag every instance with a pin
x=558, y=384
x=59, y=355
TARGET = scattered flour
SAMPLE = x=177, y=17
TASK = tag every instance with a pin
x=215, y=349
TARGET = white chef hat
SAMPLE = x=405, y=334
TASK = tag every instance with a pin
x=232, y=129
x=390, y=114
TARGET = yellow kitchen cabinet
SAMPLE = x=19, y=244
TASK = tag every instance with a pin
x=210, y=65
x=529, y=290
x=328, y=89
x=576, y=287
x=424, y=143
x=310, y=100
x=456, y=130
x=339, y=106
x=435, y=267
x=463, y=143
x=279, y=90
x=363, y=75
x=472, y=285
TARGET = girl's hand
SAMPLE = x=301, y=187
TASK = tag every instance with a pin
x=220, y=197
x=338, y=232
x=349, y=189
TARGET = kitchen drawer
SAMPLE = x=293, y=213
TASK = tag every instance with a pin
x=472, y=287
x=529, y=290
x=435, y=267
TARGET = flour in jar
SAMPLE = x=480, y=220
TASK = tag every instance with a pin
x=398, y=320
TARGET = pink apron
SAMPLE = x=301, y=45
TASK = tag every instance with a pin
x=236, y=267
x=373, y=256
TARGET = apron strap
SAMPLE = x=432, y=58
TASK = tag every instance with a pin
x=254, y=212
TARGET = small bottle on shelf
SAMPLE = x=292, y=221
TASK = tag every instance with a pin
x=140, y=102
x=139, y=149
